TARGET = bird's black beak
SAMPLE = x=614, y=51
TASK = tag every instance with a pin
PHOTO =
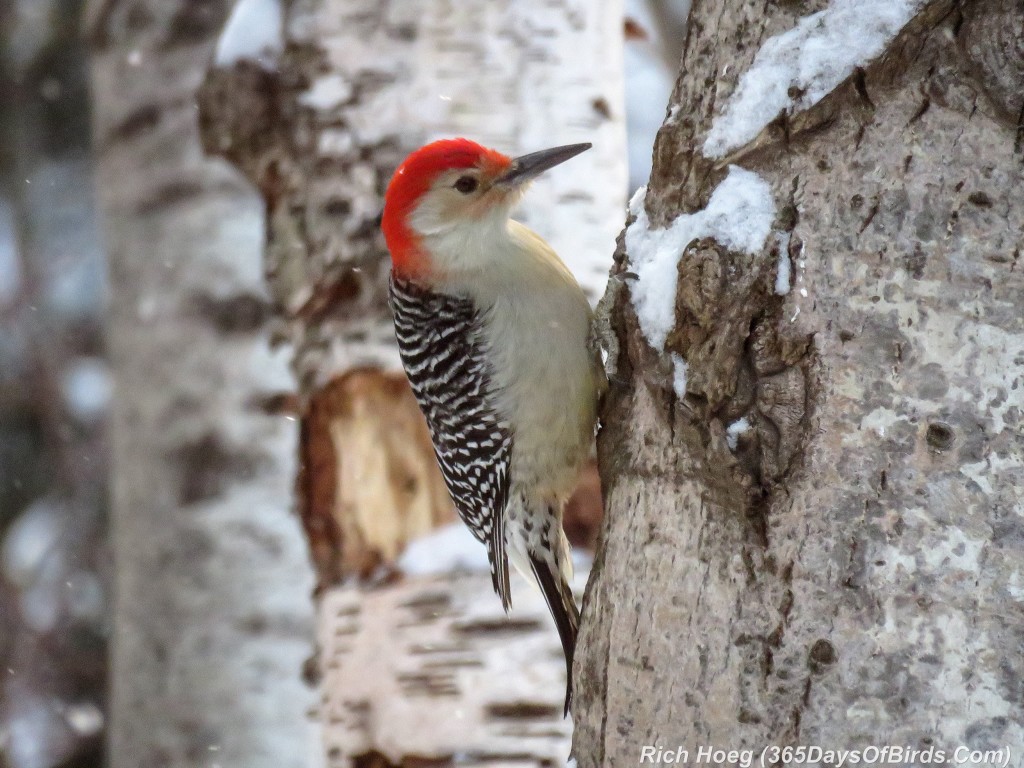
x=527, y=167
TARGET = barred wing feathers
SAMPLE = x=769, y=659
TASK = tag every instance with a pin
x=439, y=341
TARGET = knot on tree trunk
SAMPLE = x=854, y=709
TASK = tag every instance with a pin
x=745, y=415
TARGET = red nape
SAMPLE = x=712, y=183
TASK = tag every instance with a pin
x=414, y=177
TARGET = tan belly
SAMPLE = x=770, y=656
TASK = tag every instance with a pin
x=548, y=393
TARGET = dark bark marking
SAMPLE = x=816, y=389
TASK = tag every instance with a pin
x=498, y=626
x=872, y=212
x=241, y=313
x=860, y=84
x=980, y=199
x=207, y=465
x=939, y=436
x=522, y=710
x=195, y=22
x=602, y=108
x=375, y=759
x=171, y=193
x=821, y=656
x=926, y=104
x=1018, y=141
x=140, y=120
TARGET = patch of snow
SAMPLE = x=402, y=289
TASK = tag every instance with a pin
x=881, y=419
x=254, y=31
x=739, y=215
x=784, y=273
x=636, y=202
x=327, y=93
x=797, y=68
x=446, y=550
x=1015, y=586
x=85, y=718
x=29, y=539
x=980, y=473
x=953, y=549
x=87, y=387
x=734, y=430
x=679, y=375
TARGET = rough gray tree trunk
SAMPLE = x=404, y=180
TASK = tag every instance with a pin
x=213, y=619
x=848, y=575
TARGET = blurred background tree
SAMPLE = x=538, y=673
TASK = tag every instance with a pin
x=317, y=120
x=204, y=413
x=238, y=355
x=54, y=393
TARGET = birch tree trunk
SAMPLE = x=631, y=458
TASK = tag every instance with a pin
x=848, y=573
x=213, y=619
x=420, y=669
x=359, y=85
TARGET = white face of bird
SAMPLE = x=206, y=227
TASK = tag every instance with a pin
x=462, y=216
x=465, y=198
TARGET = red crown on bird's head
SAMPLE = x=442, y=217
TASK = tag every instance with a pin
x=415, y=176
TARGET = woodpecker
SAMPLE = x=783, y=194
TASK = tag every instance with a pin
x=493, y=332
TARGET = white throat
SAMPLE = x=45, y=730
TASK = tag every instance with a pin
x=460, y=247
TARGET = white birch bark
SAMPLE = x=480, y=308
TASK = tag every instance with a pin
x=358, y=84
x=212, y=621
x=431, y=669
x=362, y=83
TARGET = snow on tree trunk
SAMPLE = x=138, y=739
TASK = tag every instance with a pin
x=213, y=619
x=820, y=542
x=318, y=121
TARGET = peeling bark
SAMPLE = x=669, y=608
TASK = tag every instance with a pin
x=368, y=481
x=848, y=575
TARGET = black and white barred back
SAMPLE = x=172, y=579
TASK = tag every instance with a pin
x=440, y=343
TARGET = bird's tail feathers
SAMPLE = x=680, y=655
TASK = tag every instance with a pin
x=499, y=562
x=558, y=594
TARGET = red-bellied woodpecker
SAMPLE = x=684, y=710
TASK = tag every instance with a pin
x=493, y=332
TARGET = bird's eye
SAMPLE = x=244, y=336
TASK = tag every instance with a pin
x=466, y=184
